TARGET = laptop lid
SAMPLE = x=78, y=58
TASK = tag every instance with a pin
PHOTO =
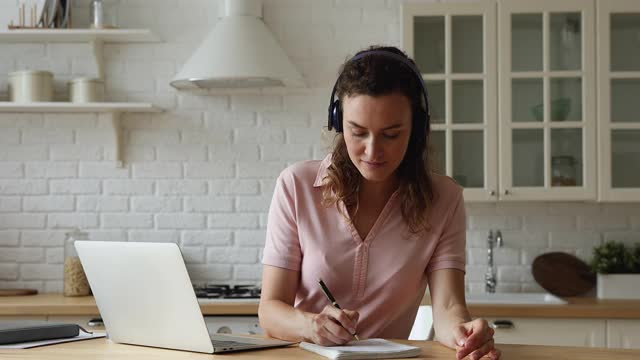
x=144, y=294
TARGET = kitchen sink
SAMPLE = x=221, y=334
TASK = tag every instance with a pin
x=513, y=298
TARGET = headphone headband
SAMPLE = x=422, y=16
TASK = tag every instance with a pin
x=335, y=118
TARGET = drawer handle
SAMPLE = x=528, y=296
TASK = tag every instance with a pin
x=95, y=322
x=502, y=324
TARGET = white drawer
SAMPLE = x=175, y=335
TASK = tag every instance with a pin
x=549, y=331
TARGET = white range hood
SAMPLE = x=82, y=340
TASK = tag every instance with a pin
x=239, y=52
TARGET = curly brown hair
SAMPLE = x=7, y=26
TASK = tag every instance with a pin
x=376, y=75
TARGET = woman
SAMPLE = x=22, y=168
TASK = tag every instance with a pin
x=372, y=221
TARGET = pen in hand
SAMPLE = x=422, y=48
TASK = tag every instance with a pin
x=333, y=301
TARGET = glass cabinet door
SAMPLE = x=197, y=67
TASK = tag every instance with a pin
x=619, y=79
x=547, y=93
x=454, y=49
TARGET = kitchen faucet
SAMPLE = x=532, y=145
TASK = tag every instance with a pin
x=490, y=279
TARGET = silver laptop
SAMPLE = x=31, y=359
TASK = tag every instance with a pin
x=145, y=297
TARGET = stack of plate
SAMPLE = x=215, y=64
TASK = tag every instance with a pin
x=54, y=13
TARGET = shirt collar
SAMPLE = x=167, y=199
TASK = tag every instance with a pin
x=322, y=171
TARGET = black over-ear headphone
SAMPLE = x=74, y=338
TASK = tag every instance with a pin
x=335, y=107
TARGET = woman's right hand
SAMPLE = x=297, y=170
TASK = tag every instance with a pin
x=332, y=326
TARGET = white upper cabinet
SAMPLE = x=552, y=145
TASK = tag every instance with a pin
x=454, y=47
x=618, y=98
x=532, y=100
x=547, y=100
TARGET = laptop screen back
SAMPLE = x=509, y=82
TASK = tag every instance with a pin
x=144, y=294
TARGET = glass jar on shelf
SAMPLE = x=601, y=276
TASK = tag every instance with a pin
x=75, y=281
x=102, y=15
x=563, y=171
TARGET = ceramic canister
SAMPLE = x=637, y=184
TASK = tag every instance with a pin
x=30, y=86
x=84, y=90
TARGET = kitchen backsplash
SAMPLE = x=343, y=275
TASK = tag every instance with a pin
x=201, y=173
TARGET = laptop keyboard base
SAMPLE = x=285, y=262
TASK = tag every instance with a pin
x=229, y=343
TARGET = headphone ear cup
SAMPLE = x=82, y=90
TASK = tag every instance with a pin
x=420, y=122
x=339, y=116
x=335, y=116
x=330, y=116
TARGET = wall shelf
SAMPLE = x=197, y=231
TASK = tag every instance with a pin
x=109, y=109
x=96, y=37
x=68, y=107
x=77, y=35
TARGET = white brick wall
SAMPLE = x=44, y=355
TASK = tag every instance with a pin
x=10, y=170
x=202, y=173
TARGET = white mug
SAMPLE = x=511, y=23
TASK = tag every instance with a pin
x=85, y=90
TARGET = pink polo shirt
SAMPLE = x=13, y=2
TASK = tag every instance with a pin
x=384, y=276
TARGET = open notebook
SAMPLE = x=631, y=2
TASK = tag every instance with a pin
x=364, y=349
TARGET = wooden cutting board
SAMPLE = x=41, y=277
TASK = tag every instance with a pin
x=17, y=292
x=563, y=274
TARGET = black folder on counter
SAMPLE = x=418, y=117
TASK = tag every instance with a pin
x=12, y=332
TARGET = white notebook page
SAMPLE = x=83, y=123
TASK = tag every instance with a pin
x=370, y=348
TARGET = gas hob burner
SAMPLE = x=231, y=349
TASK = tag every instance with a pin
x=215, y=291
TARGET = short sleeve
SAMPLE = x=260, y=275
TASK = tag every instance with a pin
x=450, y=251
x=282, y=244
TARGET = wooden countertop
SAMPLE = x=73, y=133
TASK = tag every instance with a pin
x=56, y=304
x=587, y=308
x=107, y=350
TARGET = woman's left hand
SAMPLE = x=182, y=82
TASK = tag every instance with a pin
x=475, y=338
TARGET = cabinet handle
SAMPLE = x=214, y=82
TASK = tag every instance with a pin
x=492, y=193
x=507, y=192
x=95, y=322
x=502, y=324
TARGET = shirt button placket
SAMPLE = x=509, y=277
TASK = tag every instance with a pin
x=360, y=271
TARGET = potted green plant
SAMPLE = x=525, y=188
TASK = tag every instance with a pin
x=618, y=269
